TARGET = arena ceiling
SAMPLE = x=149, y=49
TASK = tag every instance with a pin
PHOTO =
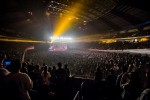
x=35, y=19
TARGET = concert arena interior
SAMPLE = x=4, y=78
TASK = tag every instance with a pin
x=74, y=50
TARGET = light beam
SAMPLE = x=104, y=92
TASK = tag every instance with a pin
x=65, y=22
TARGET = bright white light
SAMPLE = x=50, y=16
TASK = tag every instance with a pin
x=61, y=38
x=135, y=40
x=68, y=38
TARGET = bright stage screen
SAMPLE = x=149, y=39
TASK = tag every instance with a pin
x=58, y=47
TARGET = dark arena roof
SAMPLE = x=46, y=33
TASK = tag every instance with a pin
x=35, y=19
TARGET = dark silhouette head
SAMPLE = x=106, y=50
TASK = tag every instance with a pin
x=124, y=69
x=16, y=65
x=54, y=68
x=37, y=67
x=59, y=65
x=66, y=65
x=112, y=71
x=45, y=68
x=24, y=64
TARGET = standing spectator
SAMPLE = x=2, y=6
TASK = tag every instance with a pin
x=145, y=95
x=67, y=70
x=18, y=83
x=53, y=74
x=98, y=75
x=3, y=74
x=61, y=77
x=46, y=76
x=60, y=74
x=98, y=82
x=37, y=76
x=24, y=68
x=110, y=82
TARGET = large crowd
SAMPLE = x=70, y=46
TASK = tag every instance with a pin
x=47, y=74
x=118, y=45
